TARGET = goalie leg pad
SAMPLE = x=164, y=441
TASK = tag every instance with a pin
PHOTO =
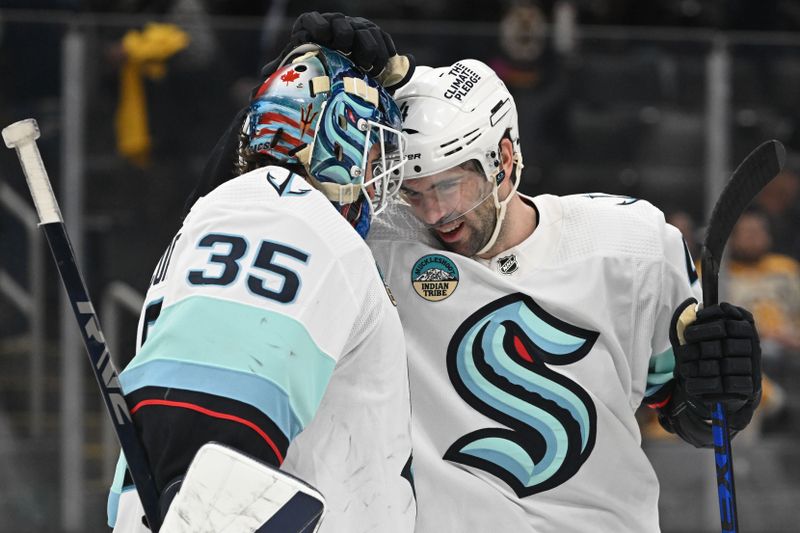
x=225, y=490
x=295, y=515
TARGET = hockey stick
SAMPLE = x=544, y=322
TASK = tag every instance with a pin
x=22, y=136
x=752, y=174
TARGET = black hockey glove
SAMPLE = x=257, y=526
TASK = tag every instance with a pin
x=717, y=359
x=369, y=47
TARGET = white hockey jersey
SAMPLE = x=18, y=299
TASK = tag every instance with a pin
x=526, y=369
x=268, y=301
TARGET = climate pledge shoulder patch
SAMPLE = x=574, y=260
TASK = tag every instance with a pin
x=434, y=277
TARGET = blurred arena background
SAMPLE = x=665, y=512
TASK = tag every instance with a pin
x=657, y=99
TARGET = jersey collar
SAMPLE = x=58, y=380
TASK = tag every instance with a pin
x=539, y=248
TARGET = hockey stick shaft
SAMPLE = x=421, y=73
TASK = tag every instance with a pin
x=723, y=456
x=22, y=137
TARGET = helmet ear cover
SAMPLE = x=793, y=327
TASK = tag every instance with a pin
x=500, y=161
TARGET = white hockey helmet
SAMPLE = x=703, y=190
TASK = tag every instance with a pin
x=455, y=114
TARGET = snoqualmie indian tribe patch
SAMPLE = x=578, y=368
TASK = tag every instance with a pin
x=434, y=277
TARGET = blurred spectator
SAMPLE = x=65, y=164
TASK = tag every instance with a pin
x=146, y=53
x=532, y=62
x=768, y=284
x=779, y=202
x=523, y=42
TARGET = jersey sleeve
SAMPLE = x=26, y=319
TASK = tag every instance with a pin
x=679, y=281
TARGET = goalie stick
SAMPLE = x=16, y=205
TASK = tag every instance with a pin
x=22, y=136
x=752, y=174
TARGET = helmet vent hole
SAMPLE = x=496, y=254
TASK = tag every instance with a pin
x=453, y=151
x=338, y=151
x=475, y=136
x=448, y=143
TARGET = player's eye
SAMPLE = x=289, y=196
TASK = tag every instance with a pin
x=411, y=195
x=448, y=186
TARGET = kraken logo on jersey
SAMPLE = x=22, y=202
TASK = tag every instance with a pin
x=497, y=361
x=434, y=277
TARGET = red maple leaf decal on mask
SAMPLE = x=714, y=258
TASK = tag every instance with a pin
x=290, y=76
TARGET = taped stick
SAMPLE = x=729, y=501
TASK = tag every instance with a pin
x=21, y=136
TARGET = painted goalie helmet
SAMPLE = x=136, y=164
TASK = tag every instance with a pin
x=318, y=110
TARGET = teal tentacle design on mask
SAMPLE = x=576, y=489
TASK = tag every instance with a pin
x=498, y=361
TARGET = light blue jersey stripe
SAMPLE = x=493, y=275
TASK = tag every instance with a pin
x=247, y=388
x=116, y=490
x=247, y=353
x=660, y=371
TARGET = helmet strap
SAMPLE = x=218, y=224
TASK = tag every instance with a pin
x=349, y=200
x=500, y=206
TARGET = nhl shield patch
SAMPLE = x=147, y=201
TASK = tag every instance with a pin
x=434, y=277
x=508, y=264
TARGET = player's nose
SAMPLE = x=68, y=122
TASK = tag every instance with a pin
x=431, y=210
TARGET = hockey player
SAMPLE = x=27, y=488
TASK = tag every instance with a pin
x=267, y=326
x=536, y=326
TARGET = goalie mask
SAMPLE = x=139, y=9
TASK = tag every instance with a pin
x=454, y=118
x=318, y=110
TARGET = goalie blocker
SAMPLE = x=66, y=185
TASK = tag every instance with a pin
x=225, y=489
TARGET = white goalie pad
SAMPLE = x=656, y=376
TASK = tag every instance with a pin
x=227, y=491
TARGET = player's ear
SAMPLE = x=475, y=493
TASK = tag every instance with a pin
x=506, y=158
